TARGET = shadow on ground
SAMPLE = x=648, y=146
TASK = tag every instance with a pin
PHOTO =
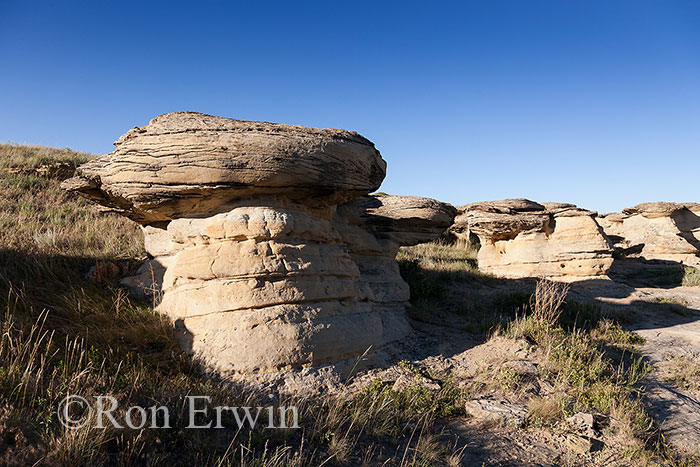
x=454, y=311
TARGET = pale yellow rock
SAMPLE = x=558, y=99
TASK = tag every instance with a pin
x=265, y=251
x=375, y=227
x=184, y=164
x=521, y=238
x=289, y=336
x=406, y=220
x=667, y=232
x=234, y=267
x=263, y=259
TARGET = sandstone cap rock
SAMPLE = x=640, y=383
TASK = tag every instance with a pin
x=505, y=206
x=188, y=164
x=656, y=209
x=407, y=220
x=522, y=238
x=660, y=231
x=554, y=206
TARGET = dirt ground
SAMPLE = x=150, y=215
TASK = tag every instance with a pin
x=667, y=318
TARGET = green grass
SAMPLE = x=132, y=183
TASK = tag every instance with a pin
x=443, y=277
x=62, y=334
x=598, y=370
x=691, y=277
x=595, y=364
x=595, y=368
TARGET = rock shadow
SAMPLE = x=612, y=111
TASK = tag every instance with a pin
x=640, y=272
x=457, y=310
x=688, y=223
x=677, y=414
x=633, y=309
x=81, y=297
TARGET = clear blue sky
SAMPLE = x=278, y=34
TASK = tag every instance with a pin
x=591, y=102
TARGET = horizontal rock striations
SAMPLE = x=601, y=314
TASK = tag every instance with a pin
x=265, y=249
x=663, y=232
x=522, y=238
x=375, y=227
x=188, y=164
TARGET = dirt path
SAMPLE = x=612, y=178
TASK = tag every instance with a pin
x=676, y=411
x=669, y=321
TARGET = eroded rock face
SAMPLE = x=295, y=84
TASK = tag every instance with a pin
x=265, y=250
x=657, y=231
x=188, y=164
x=521, y=238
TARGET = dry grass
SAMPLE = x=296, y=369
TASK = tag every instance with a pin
x=685, y=373
x=23, y=156
x=592, y=369
x=441, y=257
x=581, y=362
x=545, y=411
x=691, y=277
x=37, y=217
x=547, y=301
x=63, y=334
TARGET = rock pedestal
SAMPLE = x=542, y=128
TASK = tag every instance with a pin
x=266, y=252
x=522, y=238
x=666, y=232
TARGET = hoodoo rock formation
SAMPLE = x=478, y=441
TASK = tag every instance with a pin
x=267, y=251
x=522, y=238
x=657, y=232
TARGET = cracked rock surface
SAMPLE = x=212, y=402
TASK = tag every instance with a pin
x=661, y=232
x=265, y=248
x=522, y=238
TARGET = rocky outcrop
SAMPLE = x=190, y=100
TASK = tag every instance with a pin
x=188, y=164
x=659, y=232
x=522, y=238
x=375, y=227
x=265, y=249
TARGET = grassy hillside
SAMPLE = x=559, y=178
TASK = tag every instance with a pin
x=22, y=156
x=67, y=330
x=64, y=333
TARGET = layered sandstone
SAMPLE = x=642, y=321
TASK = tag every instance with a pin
x=663, y=232
x=522, y=238
x=187, y=164
x=265, y=249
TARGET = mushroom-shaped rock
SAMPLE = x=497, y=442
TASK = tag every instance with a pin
x=506, y=206
x=265, y=250
x=189, y=164
x=406, y=220
x=522, y=238
x=666, y=232
x=375, y=227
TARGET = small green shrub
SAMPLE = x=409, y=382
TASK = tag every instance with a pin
x=691, y=277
